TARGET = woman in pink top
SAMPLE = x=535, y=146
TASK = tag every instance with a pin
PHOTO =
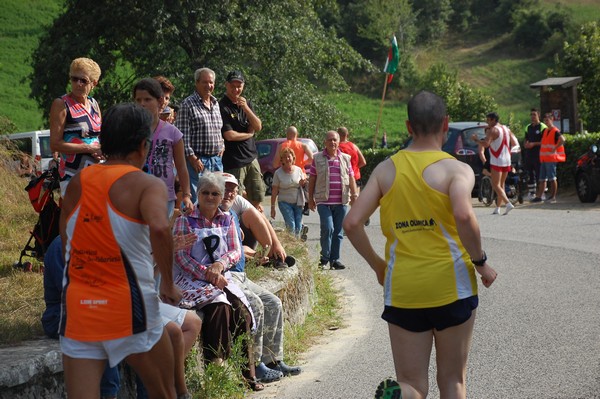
x=166, y=152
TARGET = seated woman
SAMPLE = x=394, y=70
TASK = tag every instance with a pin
x=201, y=272
x=288, y=181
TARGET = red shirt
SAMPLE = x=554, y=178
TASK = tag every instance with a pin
x=348, y=147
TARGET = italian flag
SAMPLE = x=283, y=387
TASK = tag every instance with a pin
x=391, y=64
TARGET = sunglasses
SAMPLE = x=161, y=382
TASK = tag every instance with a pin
x=213, y=193
x=83, y=81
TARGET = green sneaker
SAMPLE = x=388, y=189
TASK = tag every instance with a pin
x=388, y=389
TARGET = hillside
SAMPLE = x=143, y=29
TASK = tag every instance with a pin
x=485, y=61
x=22, y=22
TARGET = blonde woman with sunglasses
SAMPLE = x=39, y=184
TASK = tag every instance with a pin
x=75, y=121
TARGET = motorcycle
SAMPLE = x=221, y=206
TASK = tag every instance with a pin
x=587, y=175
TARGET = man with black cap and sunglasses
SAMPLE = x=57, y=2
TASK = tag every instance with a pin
x=240, y=124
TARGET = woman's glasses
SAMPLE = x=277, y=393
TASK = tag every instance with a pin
x=83, y=81
x=213, y=193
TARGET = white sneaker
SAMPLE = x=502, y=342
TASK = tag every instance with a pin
x=509, y=207
x=496, y=211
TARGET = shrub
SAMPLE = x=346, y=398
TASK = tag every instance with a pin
x=575, y=146
x=373, y=158
x=6, y=125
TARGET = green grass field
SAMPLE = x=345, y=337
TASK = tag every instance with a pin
x=361, y=114
x=21, y=24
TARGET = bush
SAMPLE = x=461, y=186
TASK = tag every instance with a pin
x=464, y=103
x=575, y=146
x=374, y=158
x=534, y=27
x=6, y=125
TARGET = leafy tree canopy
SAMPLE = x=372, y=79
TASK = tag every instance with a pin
x=288, y=56
x=582, y=58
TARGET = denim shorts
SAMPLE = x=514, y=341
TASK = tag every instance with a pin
x=547, y=171
x=439, y=318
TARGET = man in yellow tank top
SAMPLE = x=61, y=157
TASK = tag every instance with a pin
x=433, y=250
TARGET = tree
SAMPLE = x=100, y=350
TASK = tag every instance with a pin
x=282, y=47
x=463, y=102
x=534, y=26
x=432, y=18
x=582, y=58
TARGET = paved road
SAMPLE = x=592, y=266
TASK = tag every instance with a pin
x=537, y=330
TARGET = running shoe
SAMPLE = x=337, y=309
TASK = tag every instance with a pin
x=509, y=207
x=388, y=389
x=304, y=232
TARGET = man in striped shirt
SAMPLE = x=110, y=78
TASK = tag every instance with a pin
x=199, y=119
x=331, y=186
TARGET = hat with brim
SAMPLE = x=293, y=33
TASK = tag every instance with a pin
x=228, y=177
x=235, y=75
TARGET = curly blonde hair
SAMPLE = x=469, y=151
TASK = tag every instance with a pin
x=86, y=65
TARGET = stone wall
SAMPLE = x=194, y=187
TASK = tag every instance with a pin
x=33, y=369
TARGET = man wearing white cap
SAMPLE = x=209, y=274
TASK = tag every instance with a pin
x=266, y=306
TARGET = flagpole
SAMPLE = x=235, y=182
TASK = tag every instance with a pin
x=380, y=110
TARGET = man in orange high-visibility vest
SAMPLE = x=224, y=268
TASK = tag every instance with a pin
x=552, y=151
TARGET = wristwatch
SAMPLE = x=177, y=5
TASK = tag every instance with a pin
x=481, y=261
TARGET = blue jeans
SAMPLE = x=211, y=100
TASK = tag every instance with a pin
x=331, y=217
x=211, y=164
x=292, y=215
x=111, y=381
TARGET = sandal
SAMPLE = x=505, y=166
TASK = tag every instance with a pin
x=267, y=375
x=254, y=384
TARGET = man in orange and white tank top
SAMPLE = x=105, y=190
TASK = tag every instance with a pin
x=499, y=140
x=114, y=226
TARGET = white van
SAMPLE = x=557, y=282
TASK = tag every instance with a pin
x=36, y=144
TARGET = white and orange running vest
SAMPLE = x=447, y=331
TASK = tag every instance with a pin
x=108, y=282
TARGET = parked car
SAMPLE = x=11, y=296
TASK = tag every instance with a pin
x=35, y=144
x=266, y=152
x=587, y=175
x=461, y=145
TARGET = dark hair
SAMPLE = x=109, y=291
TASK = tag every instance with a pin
x=493, y=115
x=426, y=113
x=151, y=85
x=535, y=110
x=124, y=127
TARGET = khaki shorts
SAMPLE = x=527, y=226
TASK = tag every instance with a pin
x=115, y=350
x=251, y=181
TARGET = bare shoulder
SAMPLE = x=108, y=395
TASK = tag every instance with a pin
x=139, y=182
x=58, y=105
x=384, y=174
